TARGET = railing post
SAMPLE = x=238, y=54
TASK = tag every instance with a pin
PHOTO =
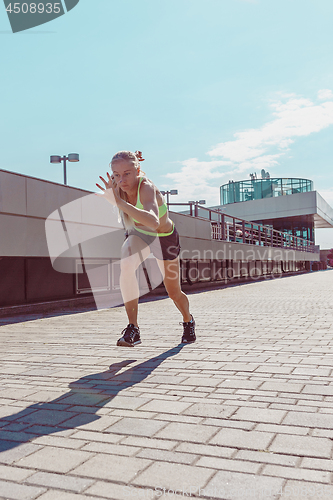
x=259, y=236
x=251, y=233
x=234, y=228
x=265, y=231
x=223, y=226
x=196, y=211
x=243, y=231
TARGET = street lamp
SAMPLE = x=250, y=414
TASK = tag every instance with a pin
x=173, y=191
x=196, y=203
x=72, y=157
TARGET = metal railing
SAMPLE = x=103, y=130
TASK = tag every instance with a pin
x=228, y=228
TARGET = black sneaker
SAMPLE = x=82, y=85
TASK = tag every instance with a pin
x=131, y=336
x=189, y=333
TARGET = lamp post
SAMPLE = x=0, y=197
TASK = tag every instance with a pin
x=167, y=193
x=72, y=157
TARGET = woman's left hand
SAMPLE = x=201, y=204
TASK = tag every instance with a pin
x=110, y=192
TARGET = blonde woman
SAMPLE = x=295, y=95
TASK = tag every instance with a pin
x=148, y=229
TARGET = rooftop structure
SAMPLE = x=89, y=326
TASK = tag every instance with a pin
x=290, y=205
x=257, y=189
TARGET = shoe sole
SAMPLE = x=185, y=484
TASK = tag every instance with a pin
x=123, y=343
x=188, y=341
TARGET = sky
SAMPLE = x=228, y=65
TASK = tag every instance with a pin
x=208, y=90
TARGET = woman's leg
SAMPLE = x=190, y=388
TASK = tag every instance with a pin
x=133, y=252
x=170, y=270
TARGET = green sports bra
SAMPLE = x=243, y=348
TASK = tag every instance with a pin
x=162, y=210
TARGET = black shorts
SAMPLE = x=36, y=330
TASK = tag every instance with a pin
x=162, y=247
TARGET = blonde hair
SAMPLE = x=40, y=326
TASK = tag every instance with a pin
x=135, y=158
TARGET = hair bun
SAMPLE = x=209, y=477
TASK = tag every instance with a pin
x=138, y=154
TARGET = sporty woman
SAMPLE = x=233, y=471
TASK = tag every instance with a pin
x=148, y=229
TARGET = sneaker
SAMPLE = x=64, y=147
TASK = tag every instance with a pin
x=131, y=336
x=189, y=334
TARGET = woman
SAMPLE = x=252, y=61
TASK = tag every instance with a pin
x=148, y=229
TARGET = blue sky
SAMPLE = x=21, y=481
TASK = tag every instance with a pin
x=209, y=90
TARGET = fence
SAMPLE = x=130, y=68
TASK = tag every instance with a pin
x=228, y=228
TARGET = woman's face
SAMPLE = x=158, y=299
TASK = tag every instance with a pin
x=125, y=174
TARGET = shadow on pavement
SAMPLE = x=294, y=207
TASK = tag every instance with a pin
x=91, y=393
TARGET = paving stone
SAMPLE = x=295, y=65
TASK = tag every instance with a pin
x=165, y=406
x=282, y=387
x=54, y=459
x=203, y=381
x=62, y=442
x=187, y=432
x=174, y=477
x=235, y=486
x=136, y=427
x=239, y=384
x=9, y=490
x=60, y=481
x=96, y=436
x=300, y=490
x=47, y=417
x=207, y=450
x=283, y=429
x=259, y=415
x=234, y=424
x=166, y=379
x=121, y=492
x=302, y=446
x=93, y=422
x=240, y=367
x=317, y=463
x=301, y=474
x=210, y=410
x=169, y=417
x=312, y=420
x=62, y=495
x=238, y=438
x=113, y=449
x=14, y=473
x=12, y=454
x=268, y=457
x=123, y=469
x=226, y=464
x=324, y=390
x=167, y=456
x=126, y=402
x=319, y=372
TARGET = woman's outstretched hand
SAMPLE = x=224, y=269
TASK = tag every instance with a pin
x=110, y=193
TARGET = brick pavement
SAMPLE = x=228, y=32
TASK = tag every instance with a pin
x=246, y=412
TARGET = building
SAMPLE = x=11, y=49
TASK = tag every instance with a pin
x=290, y=205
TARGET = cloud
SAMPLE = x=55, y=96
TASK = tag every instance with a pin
x=256, y=148
x=193, y=180
x=325, y=94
